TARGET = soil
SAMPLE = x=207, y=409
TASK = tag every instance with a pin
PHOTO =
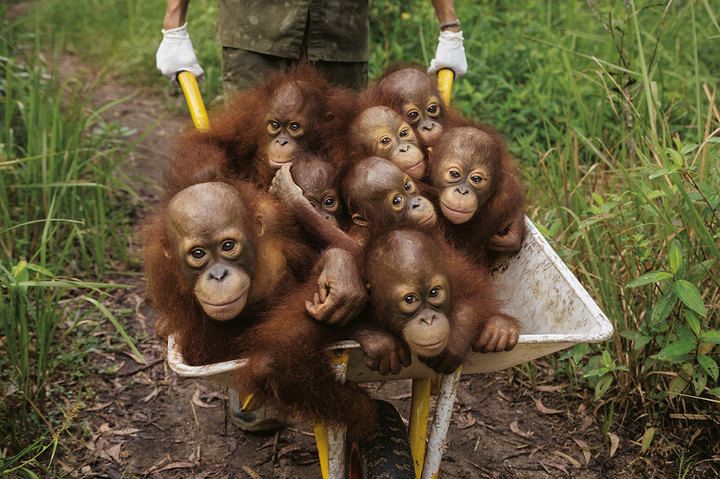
x=145, y=421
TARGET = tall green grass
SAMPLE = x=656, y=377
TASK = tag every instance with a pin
x=125, y=36
x=612, y=111
x=65, y=218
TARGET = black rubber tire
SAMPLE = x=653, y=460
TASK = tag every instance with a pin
x=386, y=453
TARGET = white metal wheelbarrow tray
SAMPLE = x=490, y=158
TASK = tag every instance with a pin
x=554, y=310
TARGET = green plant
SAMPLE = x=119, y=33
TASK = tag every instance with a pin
x=65, y=217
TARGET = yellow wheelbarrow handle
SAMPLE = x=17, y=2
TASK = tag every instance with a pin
x=194, y=100
x=445, y=80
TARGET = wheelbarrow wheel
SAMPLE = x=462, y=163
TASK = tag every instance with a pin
x=386, y=453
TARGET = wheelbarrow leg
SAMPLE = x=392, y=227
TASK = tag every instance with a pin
x=419, y=408
x=330, y=441
x=440, y=425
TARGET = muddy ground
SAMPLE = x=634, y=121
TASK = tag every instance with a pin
x=145, y=421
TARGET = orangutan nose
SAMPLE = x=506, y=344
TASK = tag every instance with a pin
x=404, y=148
x=281, y=141
x=428, y=319
x=218, y=273
x=463, y=190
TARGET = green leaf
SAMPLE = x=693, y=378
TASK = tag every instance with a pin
x=641, y=342
x=689, y=148
x=647, y=278
x=711, y=336
x=675, y=351
x=663, y=308
x=647, y=439
x=576, y=353
x=677, y=385
x=603, y=385
x=661, y=172
x=675, y=157
x=675, y=257
x=699, y=380
x=715, y=391
x=690, y=296
x=683, y=332
x=607, y=360
x=709, y=365
x=692, y=321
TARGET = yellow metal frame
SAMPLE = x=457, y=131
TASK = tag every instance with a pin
x=194, y=100
x=420, y=403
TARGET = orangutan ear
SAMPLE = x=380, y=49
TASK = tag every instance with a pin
x=259, y=225
x=165, y=248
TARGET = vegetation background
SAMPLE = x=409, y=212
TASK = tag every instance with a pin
x=610, y=107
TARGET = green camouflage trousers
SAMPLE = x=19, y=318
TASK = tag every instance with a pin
x=262, y=35
x=242, y=69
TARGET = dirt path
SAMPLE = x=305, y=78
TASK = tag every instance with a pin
x=146, y=421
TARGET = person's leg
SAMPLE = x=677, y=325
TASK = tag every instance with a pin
x=243, y=69
x=346, y=74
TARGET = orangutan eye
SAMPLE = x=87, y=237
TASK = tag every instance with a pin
x=409, y=186
x=410, y=298
x=385, y=140
x=454, y=174
x=432, y=108
x=274, y=124
x=435, y=292
x=330, y=201
x=197, y=253
x=228, y=245
x=413, y=115
x=476, y=178
x=397, y=200
x=294, y=126
x=403, y=133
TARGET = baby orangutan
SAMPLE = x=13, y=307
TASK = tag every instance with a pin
x=380, y=131
x=415, y=96
x=478, y=191
x=316, y=178
x=438, y=304
x=222, y=274
x=256, y=132
x=377, y=194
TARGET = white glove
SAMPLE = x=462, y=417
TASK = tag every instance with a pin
x=450, y=54
x=176, y=54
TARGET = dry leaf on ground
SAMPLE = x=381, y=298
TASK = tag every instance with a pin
x=544, y=409
x=515, y=428
x=546, y=465
x=614, y=443
x=199, y=402
x=550, y=389
x=575, y=463
x=585, y=449
x=465, y=420
x=172, y=465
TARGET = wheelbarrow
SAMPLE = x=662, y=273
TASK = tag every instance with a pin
x=535, y=286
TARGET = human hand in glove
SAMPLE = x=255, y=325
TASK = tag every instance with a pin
x=176, y=54
x=450, y=53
